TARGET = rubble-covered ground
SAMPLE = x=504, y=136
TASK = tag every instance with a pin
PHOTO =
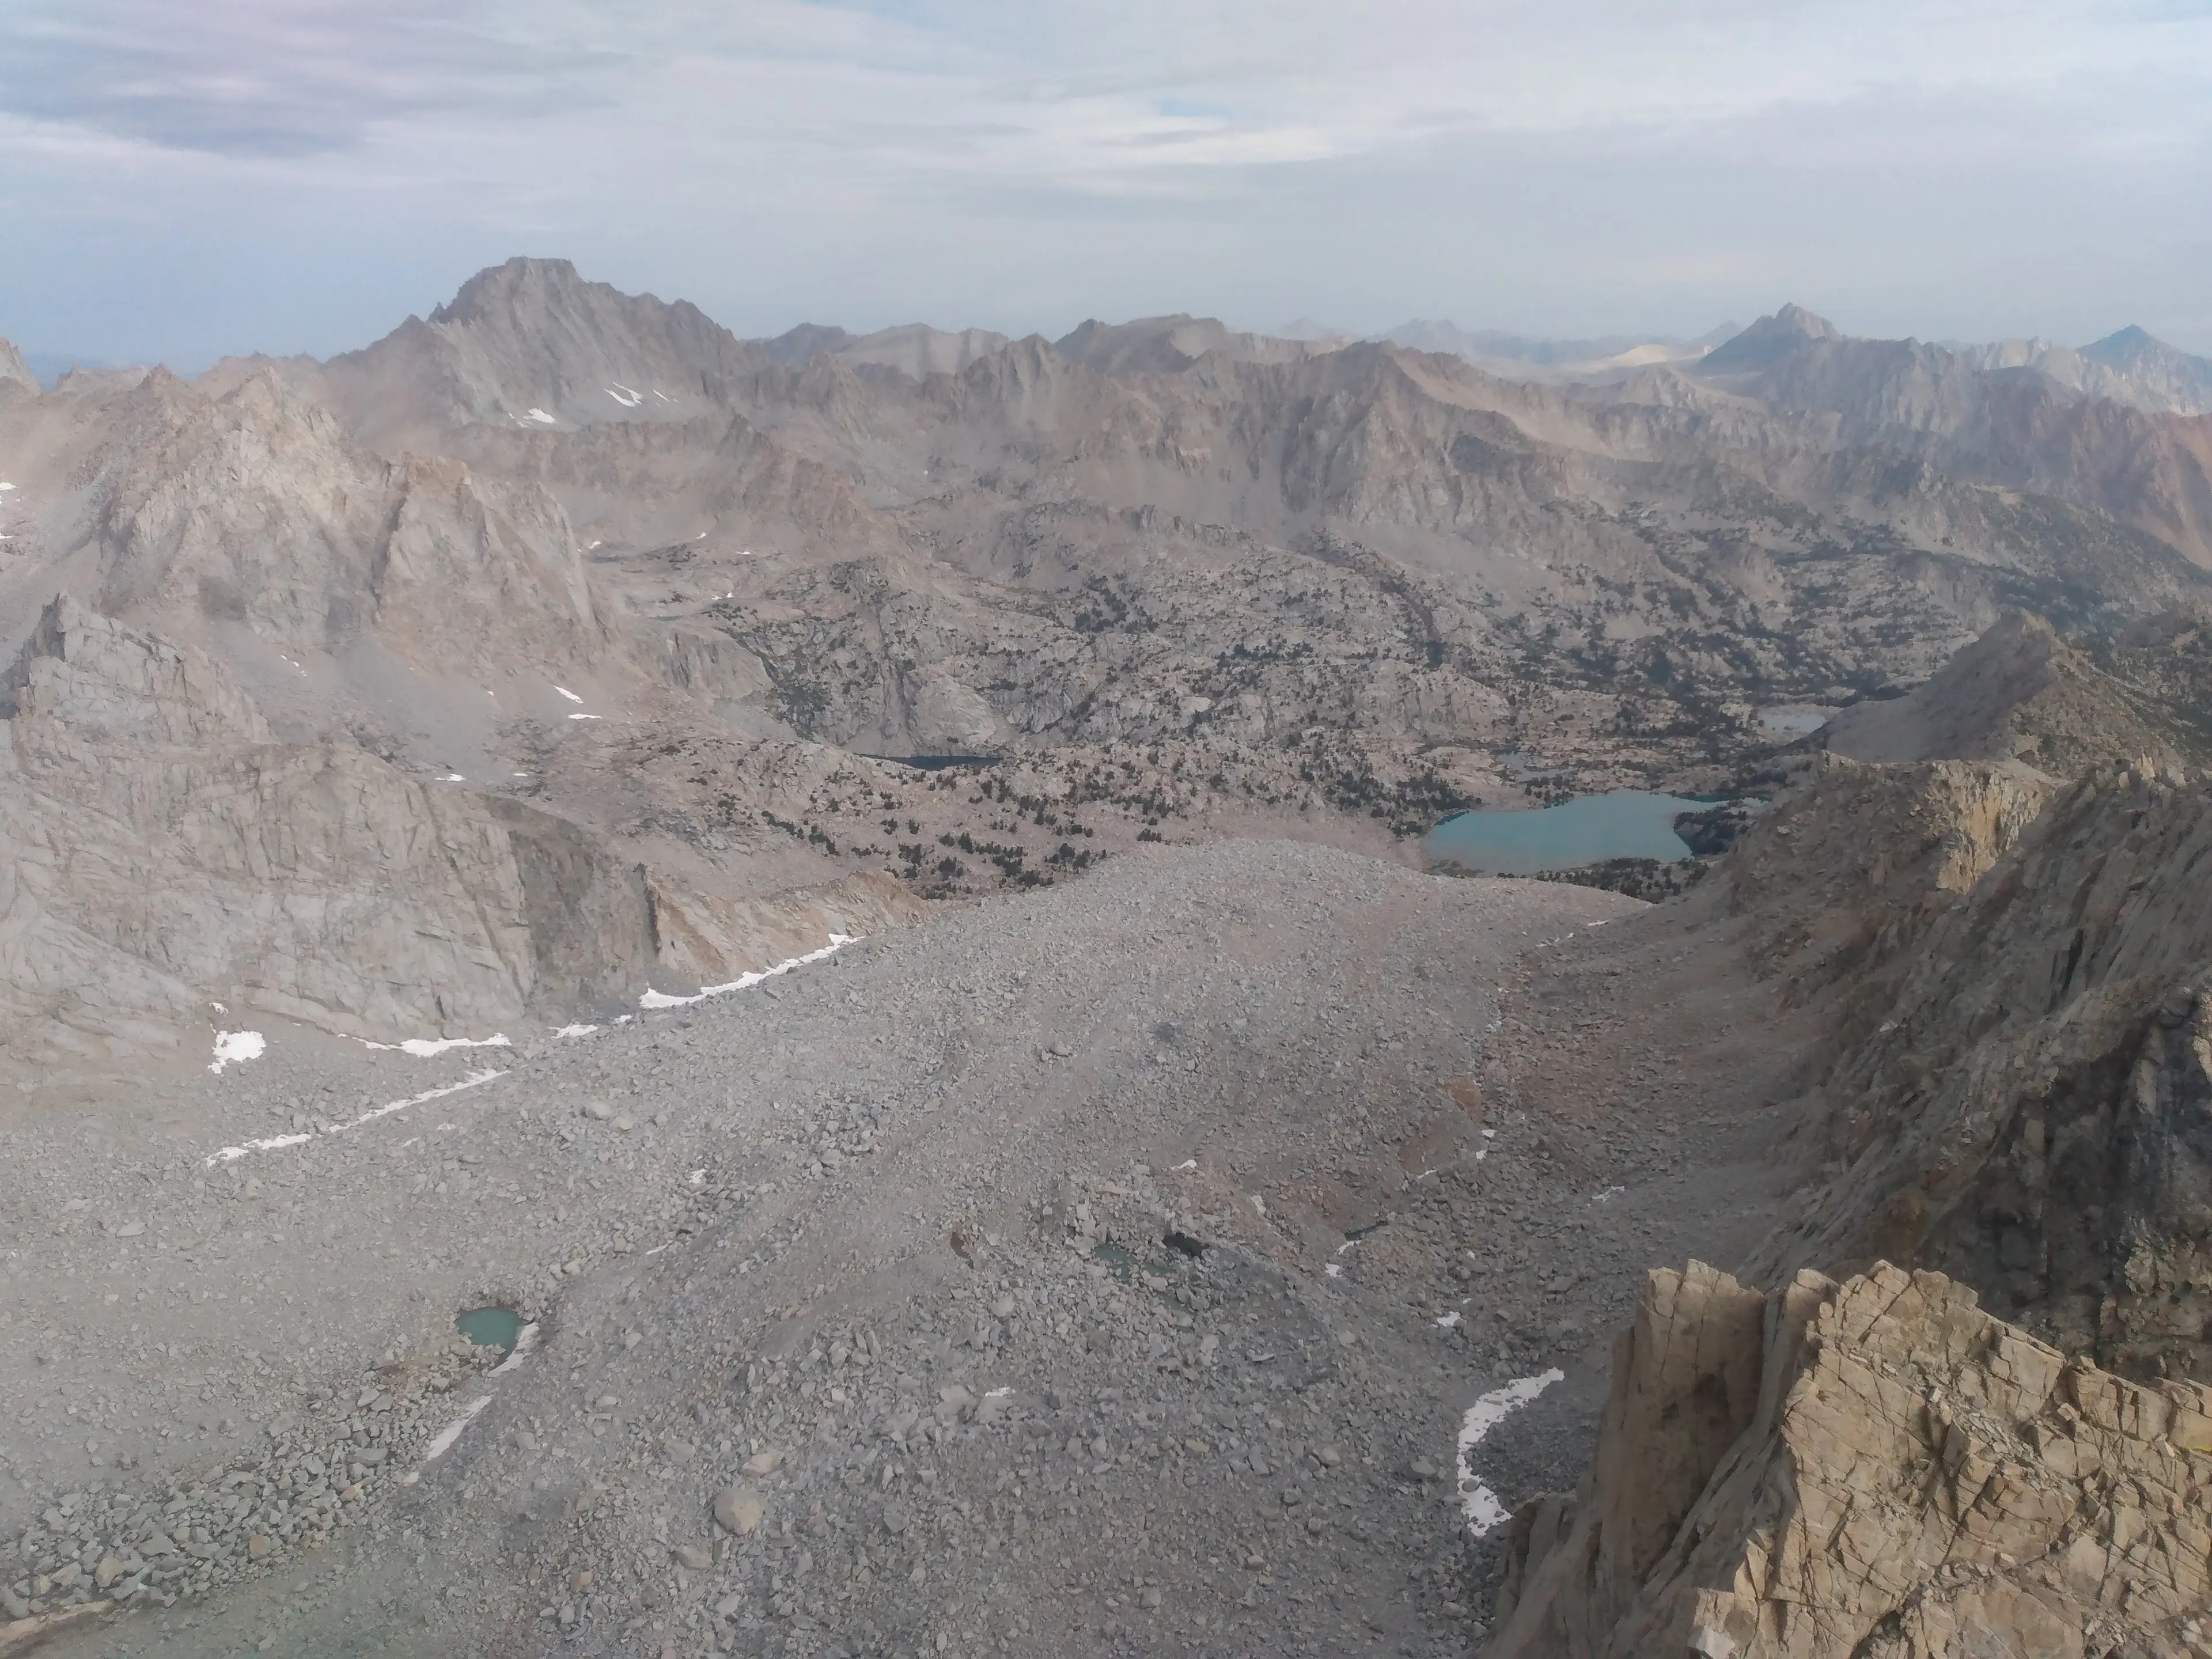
x=1112, y=1277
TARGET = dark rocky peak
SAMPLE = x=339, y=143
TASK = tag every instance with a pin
x=798, y=347
x=1170, y=346
x=1769, y=340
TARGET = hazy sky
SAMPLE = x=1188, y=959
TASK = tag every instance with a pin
x=181, y=180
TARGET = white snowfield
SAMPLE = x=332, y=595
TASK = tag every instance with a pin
x=662, y=1000
x=563, y=690
x=541, y=418
x=1485, y=1514
x=231, y=1047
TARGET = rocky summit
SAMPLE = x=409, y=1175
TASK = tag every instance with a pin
x=672, y=994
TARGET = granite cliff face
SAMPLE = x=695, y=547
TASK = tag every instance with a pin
x=2016, y=1092
x=1872, y=1468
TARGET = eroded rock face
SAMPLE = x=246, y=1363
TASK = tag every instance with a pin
x=2020, y=1093
x=1911, y=1477
x=168, y=854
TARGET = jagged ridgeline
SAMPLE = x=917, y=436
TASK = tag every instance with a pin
x=591, y=550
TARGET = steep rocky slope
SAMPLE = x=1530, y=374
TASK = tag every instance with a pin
x=2017, y=693
x=174, y=864
x=2017, y=1099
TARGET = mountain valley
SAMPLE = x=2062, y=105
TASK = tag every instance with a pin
x=873, y=892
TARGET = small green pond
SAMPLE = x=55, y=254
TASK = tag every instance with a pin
x=491, y=1328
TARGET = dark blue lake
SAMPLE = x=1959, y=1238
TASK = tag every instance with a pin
x=1626, y=824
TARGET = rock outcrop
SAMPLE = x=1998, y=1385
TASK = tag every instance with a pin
x=1857, y=861
x=1874, y=1469
x=14, y=371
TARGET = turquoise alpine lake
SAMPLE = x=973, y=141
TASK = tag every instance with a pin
x=1625, y=824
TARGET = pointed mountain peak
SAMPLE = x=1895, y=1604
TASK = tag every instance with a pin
x=2126, y=347
x=1768, y=341
x=13, y=368
x=1796, y=321
x=500, y=290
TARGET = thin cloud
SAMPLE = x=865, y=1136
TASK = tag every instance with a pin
x=1021, y=165
x=277, y=77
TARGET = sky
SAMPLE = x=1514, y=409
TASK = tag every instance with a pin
x=178, y=182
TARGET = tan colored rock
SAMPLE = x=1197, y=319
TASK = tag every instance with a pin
x=1917, y=1479
x=739, y=1509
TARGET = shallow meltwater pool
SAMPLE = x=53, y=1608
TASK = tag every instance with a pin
x=1625, y=824
x=491, y=1328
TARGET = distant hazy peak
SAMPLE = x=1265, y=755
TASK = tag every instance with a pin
x=1769, y=340
x=13, y=368
x=1795, y=322
x=1307, y=328
x=796, y=347
x=2135, y=348
x=2122, y=346
x=2167, y=376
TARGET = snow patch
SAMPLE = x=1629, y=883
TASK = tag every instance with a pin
x=1334, y=1269
x=563, y=690
x=5, y=488
x=524, y=1340
x=1485, y=1514
x=231, y=1047
x=541, y=418
x=662, y=1000
x=1445, y=1322
x=583, y=717
x=450, y=777
x=444, y=1443
x=622, y=395
x=1608, y=1194
x=575, y=1031
x=429, y=1047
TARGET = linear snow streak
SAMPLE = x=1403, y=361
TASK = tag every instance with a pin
x=427, y=1047
x=232, y=1154
x=661, y=999
x=1485, y=1514
x=438, y=1447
